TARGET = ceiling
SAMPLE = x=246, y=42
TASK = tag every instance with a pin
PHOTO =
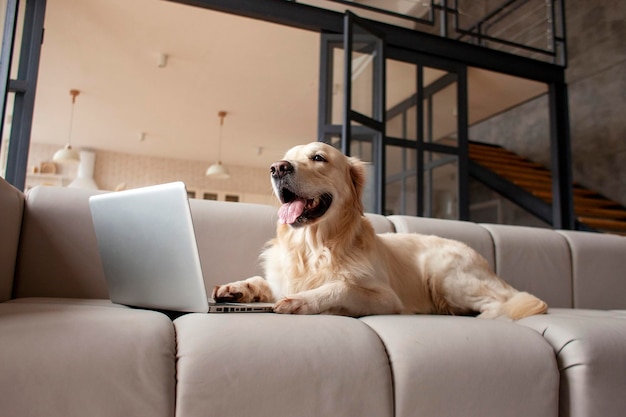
x=264, y=75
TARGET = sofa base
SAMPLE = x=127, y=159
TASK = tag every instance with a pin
x=464, y=366
x=85, y=358
x=590, y=348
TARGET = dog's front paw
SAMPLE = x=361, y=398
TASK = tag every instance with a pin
x=247, y=291
x=235, y=292
x=295, y=305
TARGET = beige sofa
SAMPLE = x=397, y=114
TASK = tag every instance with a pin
x=65, y=350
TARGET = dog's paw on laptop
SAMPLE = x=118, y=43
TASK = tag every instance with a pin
x=295, y=305
x=251, y=290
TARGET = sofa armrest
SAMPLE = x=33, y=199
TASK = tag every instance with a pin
x=11, y=209
x=58, y=253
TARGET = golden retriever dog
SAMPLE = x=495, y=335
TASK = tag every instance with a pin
x=327, y=259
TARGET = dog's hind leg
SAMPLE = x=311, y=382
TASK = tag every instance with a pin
x=518, y=306
x=492, y=298
x=523, y=304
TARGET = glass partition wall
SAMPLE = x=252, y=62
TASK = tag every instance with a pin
x=423, y=150
x=412, y=149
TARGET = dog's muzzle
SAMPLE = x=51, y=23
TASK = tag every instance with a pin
x=296, y=210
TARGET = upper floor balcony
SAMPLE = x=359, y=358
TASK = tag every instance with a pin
x=531, y=28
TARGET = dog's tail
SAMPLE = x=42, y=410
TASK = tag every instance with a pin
x=523, y=304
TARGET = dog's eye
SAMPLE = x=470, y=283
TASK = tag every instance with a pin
x=318, y=158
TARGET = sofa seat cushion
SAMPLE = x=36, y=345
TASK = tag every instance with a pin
x=463, y=366
x=280, y=365
x=590, y=347
x=85, y=358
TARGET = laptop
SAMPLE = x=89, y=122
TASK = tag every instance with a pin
x=149, y=253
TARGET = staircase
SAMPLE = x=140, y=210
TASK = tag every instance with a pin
x=530, y=185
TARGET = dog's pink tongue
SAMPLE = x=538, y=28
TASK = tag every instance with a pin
x=289, y=212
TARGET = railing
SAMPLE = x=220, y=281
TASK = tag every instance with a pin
x=530, y=28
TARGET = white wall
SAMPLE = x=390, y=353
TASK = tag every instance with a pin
x=115, y=169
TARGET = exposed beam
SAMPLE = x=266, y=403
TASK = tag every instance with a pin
x=320, y=20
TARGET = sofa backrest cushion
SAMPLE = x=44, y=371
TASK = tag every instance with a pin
x=534, y=260
x=469, y=233
x=230, y=238
x=58, y=255
x=11, y=211
x=380, y=223
x=599, y=269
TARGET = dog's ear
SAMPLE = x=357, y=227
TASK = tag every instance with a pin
x=357, y=175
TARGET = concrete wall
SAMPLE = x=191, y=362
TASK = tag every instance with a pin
x=597, y=88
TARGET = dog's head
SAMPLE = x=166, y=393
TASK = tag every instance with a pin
x=315, y=182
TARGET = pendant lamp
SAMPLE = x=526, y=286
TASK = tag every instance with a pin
x=217, y=170
x=67, y=154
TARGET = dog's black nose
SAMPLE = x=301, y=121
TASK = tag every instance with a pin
x=280, y=169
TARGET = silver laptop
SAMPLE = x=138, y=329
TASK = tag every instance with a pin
x=149, y=253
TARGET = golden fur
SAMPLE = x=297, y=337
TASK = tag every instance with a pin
x=326, y=257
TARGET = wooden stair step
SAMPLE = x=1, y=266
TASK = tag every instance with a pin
x=485, y=149
x=533, y=185
x=578, y=201
x=524, y=177
x=505, y=160
x=492, y=153
x=615, y=214
x=603, y=224
x=578, y=190
x=601, y=202
x=545, y=190
x=516, y=169
x=499, y=156
x=546, y=187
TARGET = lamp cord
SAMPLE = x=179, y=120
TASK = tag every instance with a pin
x=73, y=93
x=69, y=136
x=221, y=115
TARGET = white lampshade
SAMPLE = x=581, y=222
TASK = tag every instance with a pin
x=218, y=171
x=67, y=154
x=86, y=168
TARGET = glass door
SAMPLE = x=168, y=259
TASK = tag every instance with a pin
x=22, y=37
x=426, y=134
x=401, y=151
x=440, y=144
x=352, y=94
x=403, y=114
